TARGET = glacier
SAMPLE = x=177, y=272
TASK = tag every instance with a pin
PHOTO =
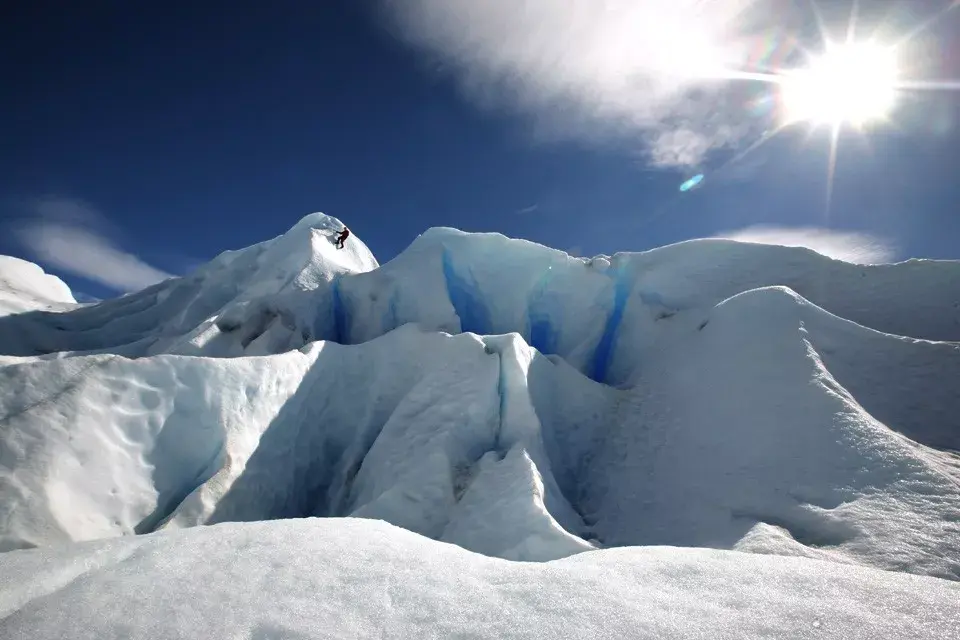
x=709, y=408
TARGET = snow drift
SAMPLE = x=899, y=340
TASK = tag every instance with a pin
x=364, y=579
x=503, y=397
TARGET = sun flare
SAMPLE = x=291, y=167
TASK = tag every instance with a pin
x=850, y=84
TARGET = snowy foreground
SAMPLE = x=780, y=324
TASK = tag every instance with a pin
x=746, y=441
x=321, y=578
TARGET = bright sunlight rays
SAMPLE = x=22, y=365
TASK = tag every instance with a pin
x=851, y=84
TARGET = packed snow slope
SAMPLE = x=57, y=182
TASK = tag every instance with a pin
x=363, y=579
x=500, y=396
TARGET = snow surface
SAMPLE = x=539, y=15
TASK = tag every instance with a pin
x=513, y=401
x=361, y=579
x=25, y=287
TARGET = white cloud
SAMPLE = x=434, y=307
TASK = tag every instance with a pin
x=851, y=246
x=63, y=234
x=589, y=67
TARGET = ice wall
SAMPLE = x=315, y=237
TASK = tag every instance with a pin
x=502, y=396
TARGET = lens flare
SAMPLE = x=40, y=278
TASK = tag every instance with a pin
x=850, y=84
x=692, y=182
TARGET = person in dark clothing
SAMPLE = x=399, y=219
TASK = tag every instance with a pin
x=342, y=238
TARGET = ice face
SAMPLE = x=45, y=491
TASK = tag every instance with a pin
x=501, y=396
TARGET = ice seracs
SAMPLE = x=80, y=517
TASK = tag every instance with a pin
x=505, y=398
x=267, y=298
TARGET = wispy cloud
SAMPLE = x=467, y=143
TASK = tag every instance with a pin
x=850, y=246
x=646, y=68
x=82, y=297
x=70, y=235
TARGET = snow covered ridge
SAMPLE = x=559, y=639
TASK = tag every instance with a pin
x=297, y=288
x=503, y=397
x=363, y=579
x=25, y=287
x=264, y=299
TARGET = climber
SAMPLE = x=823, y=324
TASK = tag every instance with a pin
x=342, y=238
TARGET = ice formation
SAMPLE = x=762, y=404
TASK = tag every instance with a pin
x=500, y=396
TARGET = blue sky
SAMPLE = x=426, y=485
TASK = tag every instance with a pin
x=142, y=140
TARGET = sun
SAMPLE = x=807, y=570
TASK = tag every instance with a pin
x=851, y=84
